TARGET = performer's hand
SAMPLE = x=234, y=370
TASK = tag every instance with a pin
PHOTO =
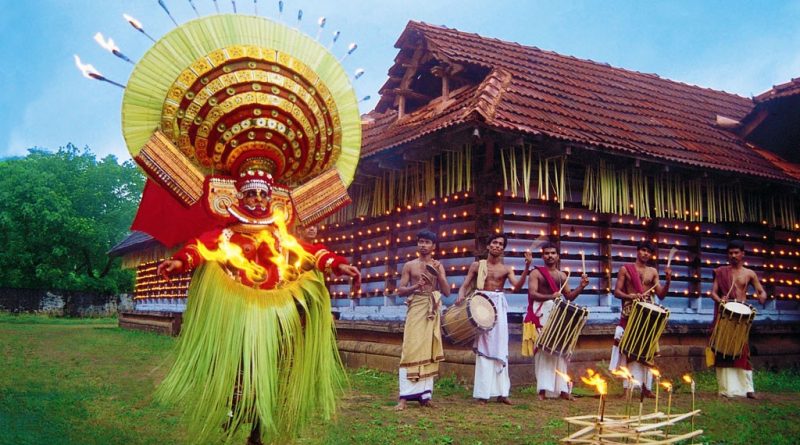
x=528, y=258
x=168, y=266
x=556, y=295
x=459, y=300
x=668, y=273
x=350, y=271
x=584, y=280
x=424, y=280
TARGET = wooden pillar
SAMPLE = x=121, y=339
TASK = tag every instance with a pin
x=487, y=184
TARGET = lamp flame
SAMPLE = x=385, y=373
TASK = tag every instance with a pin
x=135, y=23
x=623, y=372
x=687, y=378
x=656, y=373
x=594, y=379
x=107, y=44
x=667, y=385
x=86, y=69
x=566, y=377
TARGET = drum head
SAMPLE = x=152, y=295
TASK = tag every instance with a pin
x=738, y=308
x=653, y=307
x=483, y=312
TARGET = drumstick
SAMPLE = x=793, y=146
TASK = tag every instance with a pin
x=564, y=284
x=671, y=255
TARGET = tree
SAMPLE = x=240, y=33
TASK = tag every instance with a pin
x=59, y=215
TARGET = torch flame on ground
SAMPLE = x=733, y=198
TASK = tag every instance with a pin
x=667, y=385
x=623, y=372
x=656, y=373
x=594, y=379
x=566, y=377
x=86, y=69
x=687, y=378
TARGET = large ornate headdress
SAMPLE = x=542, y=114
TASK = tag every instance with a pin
x=224, y=91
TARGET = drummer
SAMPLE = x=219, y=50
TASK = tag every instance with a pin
x=491, y=348
x=545, y=285
x=424, y=279
x=735, y=376
x=635, y=282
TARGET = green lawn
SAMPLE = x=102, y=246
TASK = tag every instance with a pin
x=68, y=381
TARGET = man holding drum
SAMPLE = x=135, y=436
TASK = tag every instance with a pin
x=546, y=285
x=735, y=375
x=491, y=348
x=422, y=337
x=635, y=282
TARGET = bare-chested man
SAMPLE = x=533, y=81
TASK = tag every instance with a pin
x=544, y=288
x=735, y=377
x=635, y=283
x=424, y=280
x=491, y=348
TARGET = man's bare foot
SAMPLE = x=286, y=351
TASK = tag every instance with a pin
x=541, y=395
x=481, y=401
x=504, y=400
x=401, y=405
x=566, y=396
x=751, y=395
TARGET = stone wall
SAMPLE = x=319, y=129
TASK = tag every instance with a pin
x=63, y=303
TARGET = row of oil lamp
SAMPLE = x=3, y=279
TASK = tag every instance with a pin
x=595, y=380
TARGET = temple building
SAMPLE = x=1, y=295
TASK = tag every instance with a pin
x=473, y=136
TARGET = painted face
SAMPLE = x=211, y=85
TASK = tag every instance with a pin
x=257, y=202
x=550, y=256
x=735, y=256
x=644, y=254
x=424, y=246
x=496, y=247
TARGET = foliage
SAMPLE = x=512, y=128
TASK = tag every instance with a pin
x=59, y=215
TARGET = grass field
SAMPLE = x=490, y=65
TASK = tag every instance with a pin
x=66, y=381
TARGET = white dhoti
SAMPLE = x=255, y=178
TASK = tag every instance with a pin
x=734, y=382
x=546, y=364
x=491, y=354
x=420, y=390
x=640, y=372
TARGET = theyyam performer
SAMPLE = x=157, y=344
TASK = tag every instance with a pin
x=245, y=127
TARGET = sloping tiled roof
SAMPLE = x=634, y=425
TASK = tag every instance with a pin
x=791, y=88
x=135, y=241
x=532, y=91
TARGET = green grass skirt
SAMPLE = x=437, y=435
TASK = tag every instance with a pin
x=290, y=369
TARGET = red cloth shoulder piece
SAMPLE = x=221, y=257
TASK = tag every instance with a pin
x=164, y=218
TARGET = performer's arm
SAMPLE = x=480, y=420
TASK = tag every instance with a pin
x=403, y=287
x=761, y=294
x=188, y=257
x=533, y=289
x=573, y=294
x=661, y=291
x=619, y=287
x=715, y=291
x=472, y=274
x=444, y=286
x=512, y=277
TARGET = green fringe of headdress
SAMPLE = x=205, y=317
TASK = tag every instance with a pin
x=290, y=368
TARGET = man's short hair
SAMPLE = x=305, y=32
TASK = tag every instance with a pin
x=736, y=244
x=548, y=245
x=646, y=244
x=426, y=234
x=495, y=236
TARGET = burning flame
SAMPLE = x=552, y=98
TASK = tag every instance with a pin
x=135, y=23
x=280, y=243
x=667, y=385
x=107, y=44
x=595, y=380
x=687, y=378
x=87, y=70
x=566, y=377
x=623, y=372
x=656, y=373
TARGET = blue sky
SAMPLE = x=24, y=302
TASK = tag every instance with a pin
x=742, y=47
